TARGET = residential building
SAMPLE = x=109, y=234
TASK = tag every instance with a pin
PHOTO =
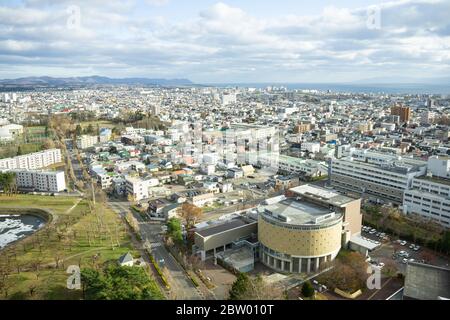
x=32, y=161
x=85, y=141
x=403, y=112
x=138, y=188
x=45, y=181
x=302, y=128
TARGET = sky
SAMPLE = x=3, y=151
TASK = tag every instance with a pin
x=227, y=41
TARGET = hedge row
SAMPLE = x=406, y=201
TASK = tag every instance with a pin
x=159, y=271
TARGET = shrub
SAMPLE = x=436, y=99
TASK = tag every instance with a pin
x=307, y=290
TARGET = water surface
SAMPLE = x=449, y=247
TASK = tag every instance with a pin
x=15, y=227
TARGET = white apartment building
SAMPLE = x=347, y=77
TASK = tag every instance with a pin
x=139, y=188
x=380, y=176
x=86, y=141
x=430, y=198
x=312, y=147
x=32, y=161
x=45, y=181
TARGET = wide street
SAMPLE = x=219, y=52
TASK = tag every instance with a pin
x=182, y=286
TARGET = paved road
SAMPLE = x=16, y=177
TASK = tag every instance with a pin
x=182, y=286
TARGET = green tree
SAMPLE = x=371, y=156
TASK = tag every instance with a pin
x=8, y=182
x=119, y=283
x=90, y=129
x=253, y=288
x=78, y=130
x=445, y=242
x=174, y=230
x=307, y=290
x=241, y=287
x=19, y=151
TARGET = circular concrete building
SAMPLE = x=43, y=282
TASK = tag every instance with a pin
x=298, y=236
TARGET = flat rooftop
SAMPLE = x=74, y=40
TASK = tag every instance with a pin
x=299, y=212
x=363, y=242
x=435, y=179
x=325, y=195
x=222, y=227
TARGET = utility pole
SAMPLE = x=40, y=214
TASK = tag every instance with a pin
x=93, y=191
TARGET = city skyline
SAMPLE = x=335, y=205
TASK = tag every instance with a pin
x=230, y=41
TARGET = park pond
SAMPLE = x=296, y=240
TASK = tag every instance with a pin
x=14, y=227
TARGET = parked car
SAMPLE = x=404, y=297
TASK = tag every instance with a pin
x=403, y=243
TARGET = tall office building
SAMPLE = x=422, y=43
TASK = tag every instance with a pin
x=403, y=112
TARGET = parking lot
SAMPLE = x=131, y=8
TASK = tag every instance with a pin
x=220, y=277
x=399, y=252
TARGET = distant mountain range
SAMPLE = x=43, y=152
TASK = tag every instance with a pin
x=92, y=80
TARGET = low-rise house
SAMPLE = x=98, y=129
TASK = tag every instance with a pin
x=155, y=207
x=203, y=199
x=171, y=211
x=235, y=173
x=225, y=187
x=212, y=187
x=248, y=170
x=126, y=260
x=178, y=198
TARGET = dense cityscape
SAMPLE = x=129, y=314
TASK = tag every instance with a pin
x=294, y=186
x=226, y=158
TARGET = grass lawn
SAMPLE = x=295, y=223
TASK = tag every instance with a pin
x=56, y=166
x=75, y=237
x=101, y=124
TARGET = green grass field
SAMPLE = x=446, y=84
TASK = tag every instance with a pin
x=76, y=236
x=101, y=124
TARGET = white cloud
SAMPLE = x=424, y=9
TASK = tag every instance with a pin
x=224, y=42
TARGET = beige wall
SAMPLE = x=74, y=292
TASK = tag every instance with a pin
x=303, y=243
x=353, y=216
